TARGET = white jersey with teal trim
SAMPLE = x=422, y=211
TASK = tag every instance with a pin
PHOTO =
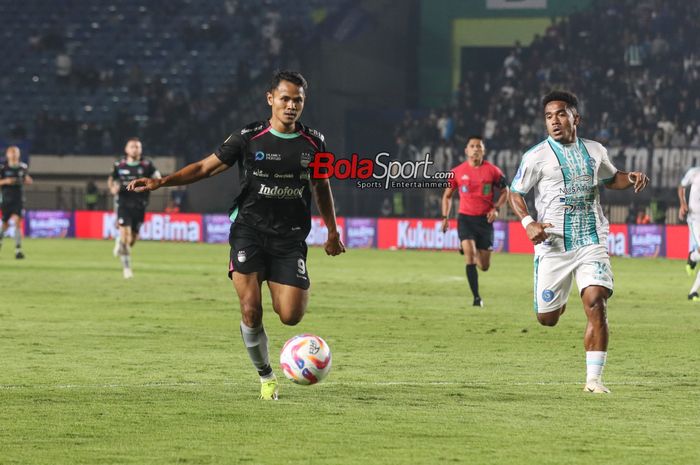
x=692, y=179
x=566, y=179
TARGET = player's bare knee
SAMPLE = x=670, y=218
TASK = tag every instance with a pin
x=597, y=313
x=251, y=313
x=549, y=318
x=484, y=266
x=291, y=317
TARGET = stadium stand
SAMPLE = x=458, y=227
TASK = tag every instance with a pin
x=80, y=76
x=635, y=66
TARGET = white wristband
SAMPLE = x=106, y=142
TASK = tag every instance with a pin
x=526, y=221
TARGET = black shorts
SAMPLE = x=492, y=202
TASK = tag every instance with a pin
x=131, y=215
x=274, y=258
x=11, y=208
x=477, y=229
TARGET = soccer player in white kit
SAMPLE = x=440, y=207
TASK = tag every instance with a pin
x=570, y=233
x=690, y=210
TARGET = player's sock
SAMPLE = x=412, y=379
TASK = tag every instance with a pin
x=18, y=238
x=125, y=256
x=696, y=284
x=595, y=362
x=695, y=256
x=473, y=278
x=255, y=340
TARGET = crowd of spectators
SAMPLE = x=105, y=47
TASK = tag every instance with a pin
x=635, y=66
x=83, y=75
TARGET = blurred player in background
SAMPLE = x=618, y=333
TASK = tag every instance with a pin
x=271, y=216
x=13, y=176
x=570, y=234
x=131, y=206
x=476, y=179
x=690, y=211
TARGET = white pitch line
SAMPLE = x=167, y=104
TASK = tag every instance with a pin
x=9, y=387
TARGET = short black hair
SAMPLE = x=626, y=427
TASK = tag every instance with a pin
x=474, y=136
x=562, y=95
x=294, y=77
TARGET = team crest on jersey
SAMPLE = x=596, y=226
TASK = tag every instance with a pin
x=241, y=256
x=305, y=159
x=547, y=295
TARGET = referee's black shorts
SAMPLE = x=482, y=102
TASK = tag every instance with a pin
x=477, y=229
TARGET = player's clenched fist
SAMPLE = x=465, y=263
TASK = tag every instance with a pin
x=536, y=232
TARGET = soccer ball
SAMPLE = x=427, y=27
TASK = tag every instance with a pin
x=306, y=359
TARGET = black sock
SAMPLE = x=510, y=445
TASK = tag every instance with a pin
x=265, y=371
x=473, y=279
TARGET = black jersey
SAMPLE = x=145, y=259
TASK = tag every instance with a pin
x=124, y=172
x=275, y=193
x=13, y=192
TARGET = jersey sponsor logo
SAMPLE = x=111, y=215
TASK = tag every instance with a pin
x=260, y=155
x=464, y=188
x=317, y=134
x=278, y=192
x=124, y=172
x=247, y=130
x=305, y=159
x=260, y=174
x=283, y=176
x=547, y=295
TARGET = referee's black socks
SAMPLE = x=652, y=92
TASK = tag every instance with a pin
x=473, y=278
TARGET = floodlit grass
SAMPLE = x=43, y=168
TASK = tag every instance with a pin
x=98, y=370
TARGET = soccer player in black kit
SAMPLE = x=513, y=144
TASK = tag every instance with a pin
x=131, y=206
x=272, y=215
x=13, y=176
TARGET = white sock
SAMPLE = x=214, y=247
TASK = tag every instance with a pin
x=595, y=361
x=696, y=284
x=18, y=237
x=125, y=255
x=695, y=256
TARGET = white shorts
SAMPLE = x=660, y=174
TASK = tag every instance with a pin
x=694, y=233
x=554, y=274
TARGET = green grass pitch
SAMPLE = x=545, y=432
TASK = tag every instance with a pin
x=98, y=370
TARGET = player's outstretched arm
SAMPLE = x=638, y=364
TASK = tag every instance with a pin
x=191, y=173
x=324, y=202
x=623, y=180
x=535, y=231
x=446, y=207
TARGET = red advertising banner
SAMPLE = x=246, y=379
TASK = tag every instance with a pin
x=414, y=233
x=517, y=239
x=156, y=227
x=677, y=241
x=618, y=243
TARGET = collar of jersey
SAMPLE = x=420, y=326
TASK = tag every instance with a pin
x=133, y=163
x=284, y=135
x=560, y=145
